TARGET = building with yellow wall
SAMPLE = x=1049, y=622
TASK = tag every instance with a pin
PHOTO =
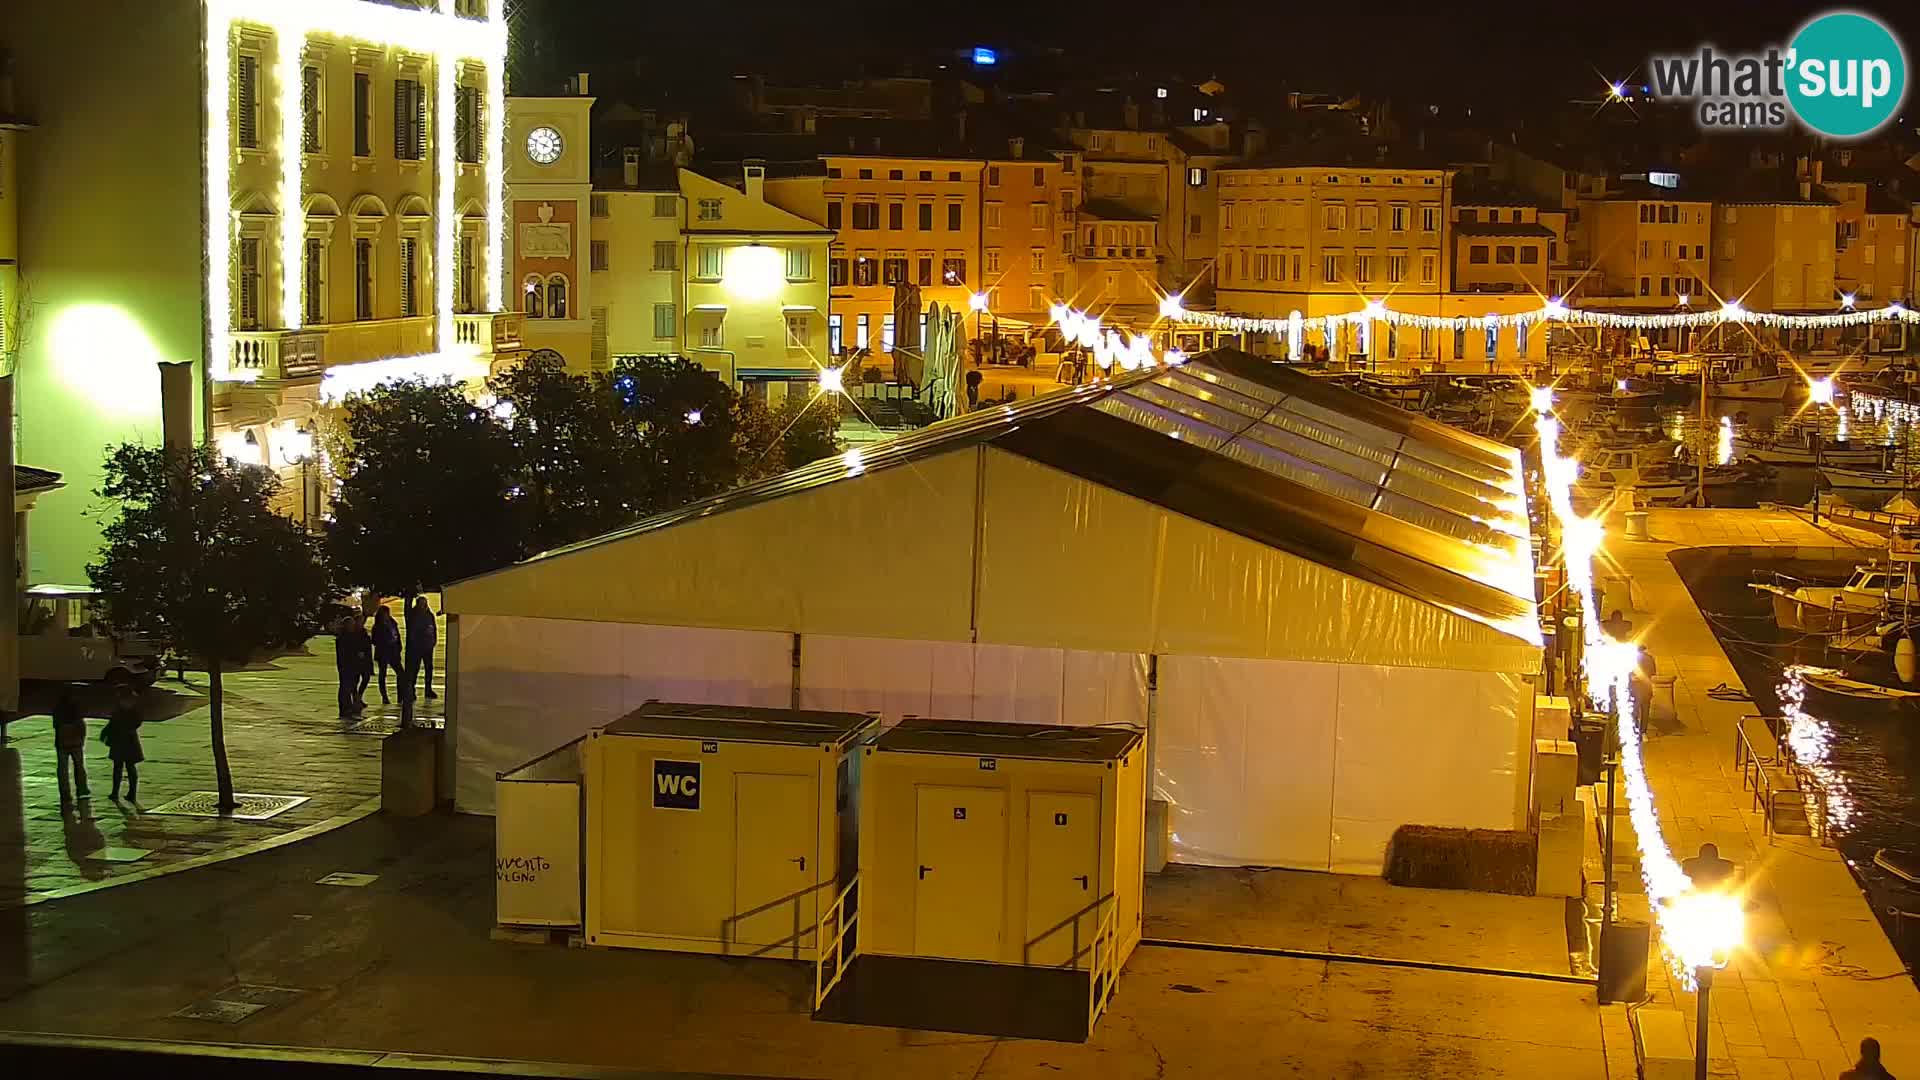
x=1646, y=248
x=1029, y=200
x=550, y=183
x=1775, y=254
x=316, y=213
x=1871, y=239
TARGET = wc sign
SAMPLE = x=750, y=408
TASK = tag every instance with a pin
x=676, y=785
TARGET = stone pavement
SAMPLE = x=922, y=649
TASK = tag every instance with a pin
x=405, y=964
x=1814, y=981
x=283, y=738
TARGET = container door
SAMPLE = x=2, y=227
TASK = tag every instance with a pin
x=960, y=889
x=1063, y=877
x=776, y=837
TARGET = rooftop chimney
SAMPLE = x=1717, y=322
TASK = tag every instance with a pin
x=580, y=84
x=630, y=166
x=756, y=179
x=1016, y=147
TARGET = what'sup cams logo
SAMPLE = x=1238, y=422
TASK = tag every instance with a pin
x=1843, y=76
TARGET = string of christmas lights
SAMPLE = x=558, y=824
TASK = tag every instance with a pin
x=1552, y=311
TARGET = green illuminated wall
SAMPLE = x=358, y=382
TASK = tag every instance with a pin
x=110, y=239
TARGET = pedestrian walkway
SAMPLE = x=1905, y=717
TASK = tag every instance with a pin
x=1815, y=978
x=283, y=738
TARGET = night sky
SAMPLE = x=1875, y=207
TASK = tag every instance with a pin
x=1491, y=54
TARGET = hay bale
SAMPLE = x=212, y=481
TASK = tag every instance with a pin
x=1479, y=860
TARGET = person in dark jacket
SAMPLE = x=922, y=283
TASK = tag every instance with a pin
x=1868, y=1067
x=347, y=650
x=386, y=649
x=70, y=745
x=122, y=736
x=421, y=637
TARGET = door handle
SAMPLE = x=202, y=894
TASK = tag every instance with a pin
x=1082, y=879
x=802, y=860
x=923, y=872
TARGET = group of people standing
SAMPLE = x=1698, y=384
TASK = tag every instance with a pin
x=121, y=736
x=358, y=654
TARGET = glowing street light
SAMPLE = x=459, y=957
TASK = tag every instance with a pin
x=1170, y=307
x=1820, y=391
x=832, y=381
x=977, y=301
x=1846, y=301
x=693, y=416
x=1540, y=398
x=1701, y=929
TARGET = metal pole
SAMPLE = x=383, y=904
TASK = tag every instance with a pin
x=1705, y=430
x=1703, y=976
x=1609, y=756
x=1815, y=433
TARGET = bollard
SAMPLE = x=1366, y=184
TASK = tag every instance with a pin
x=1664, y=708
x=1637, y=525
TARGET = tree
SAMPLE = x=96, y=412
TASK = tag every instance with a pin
x=682, y=417
x=772, y=441
x=197, y=559
x=428, y=491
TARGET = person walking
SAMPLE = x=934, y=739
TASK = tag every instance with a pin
x=386, y=650
x=346, y=663
x=70, y=746
x=1868, y=1067
x=421, y=637
x=122, y=736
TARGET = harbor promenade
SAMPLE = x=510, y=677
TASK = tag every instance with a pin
x=1819, y=973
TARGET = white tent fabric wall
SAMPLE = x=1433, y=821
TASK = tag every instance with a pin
x=1312, y=766
x=527, y=685
x=1000, y=683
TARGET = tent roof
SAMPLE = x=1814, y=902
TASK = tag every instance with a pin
x=1298, y=467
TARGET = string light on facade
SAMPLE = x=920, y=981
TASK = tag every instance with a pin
x=445, y=37
x=1552, y=311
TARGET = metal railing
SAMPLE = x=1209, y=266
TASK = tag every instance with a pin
x=1103, y=968
x=276, y=354
x=830, y=939
x=1778, y=782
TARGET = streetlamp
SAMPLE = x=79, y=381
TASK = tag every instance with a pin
x=1702, y=929
x=978, y=302
x=294, y=444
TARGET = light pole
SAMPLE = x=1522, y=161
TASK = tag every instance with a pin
x=978, y=302
x=1701, y=928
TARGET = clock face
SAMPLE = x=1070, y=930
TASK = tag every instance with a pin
x=543, y=145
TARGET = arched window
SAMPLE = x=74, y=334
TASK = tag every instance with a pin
x=536, y=299
x=557, y=296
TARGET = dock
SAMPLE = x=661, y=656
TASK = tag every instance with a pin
x=1819, y=974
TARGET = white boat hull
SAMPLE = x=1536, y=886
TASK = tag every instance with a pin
x=1800, y=456
x=1862, y=480
x=1761, y=388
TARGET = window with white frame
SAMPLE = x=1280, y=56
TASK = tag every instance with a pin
x=1329, y=268
x=834, y=344
x=711, y=261
x=1396, y=268
x=666, y=325
x=886, y=333
x=799, y=264
x=1429, y=267
x=534, y=292
x=993, y=260
x=709, y=209
x=713, y=334
x=557, y=296
x=799, y=330
x=409, y=276
x=599, y=206
x=666, y=205
x=1429, y=218
x=247, y=287
x=992, y=215
x=1397, y=217
x=363, y=291
x=597, y=253
x=468, y=271
x=409, y=120
x=1369, y=217
x=1037, y=260
x=1037, y=215
x=1196, y=177
x=666, y=255
x=363, y=114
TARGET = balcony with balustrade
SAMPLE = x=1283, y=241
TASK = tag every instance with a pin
x=282, y=355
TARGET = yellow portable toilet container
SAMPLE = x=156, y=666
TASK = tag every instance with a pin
x=1013, y=845
x=718, y=829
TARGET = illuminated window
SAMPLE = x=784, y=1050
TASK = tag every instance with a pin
x=894, y=270
x=886, y=333
x=834, y=344
x=310, y=98
x=557, y=296
x=861, y=329
x=953, y=269
x=246, y=107
x=1196, y=177
x=866, y=269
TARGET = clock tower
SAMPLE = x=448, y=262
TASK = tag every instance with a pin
x=549, y=216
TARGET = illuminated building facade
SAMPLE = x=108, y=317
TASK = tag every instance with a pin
x=300, y=200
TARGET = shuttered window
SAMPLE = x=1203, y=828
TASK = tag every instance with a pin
x=363, y=279
x=246, y=105
x=249, y=283
x=409, y=120
x=313, y=281
x=362, y=114
x=466, y=124
x=409, y=296
x=310, y=110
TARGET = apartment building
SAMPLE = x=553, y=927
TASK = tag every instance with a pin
x=1500, y=242
x=1646, y=249
x=1029, y=209
x=895, y=220
x=1775, y=253
x=1872, y=236
x=320, y=208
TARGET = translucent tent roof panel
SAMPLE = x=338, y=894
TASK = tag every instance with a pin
x=1254, y=448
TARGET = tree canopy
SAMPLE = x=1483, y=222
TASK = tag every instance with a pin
x=429, y=493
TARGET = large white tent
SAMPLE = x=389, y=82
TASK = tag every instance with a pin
x=1319, y=606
